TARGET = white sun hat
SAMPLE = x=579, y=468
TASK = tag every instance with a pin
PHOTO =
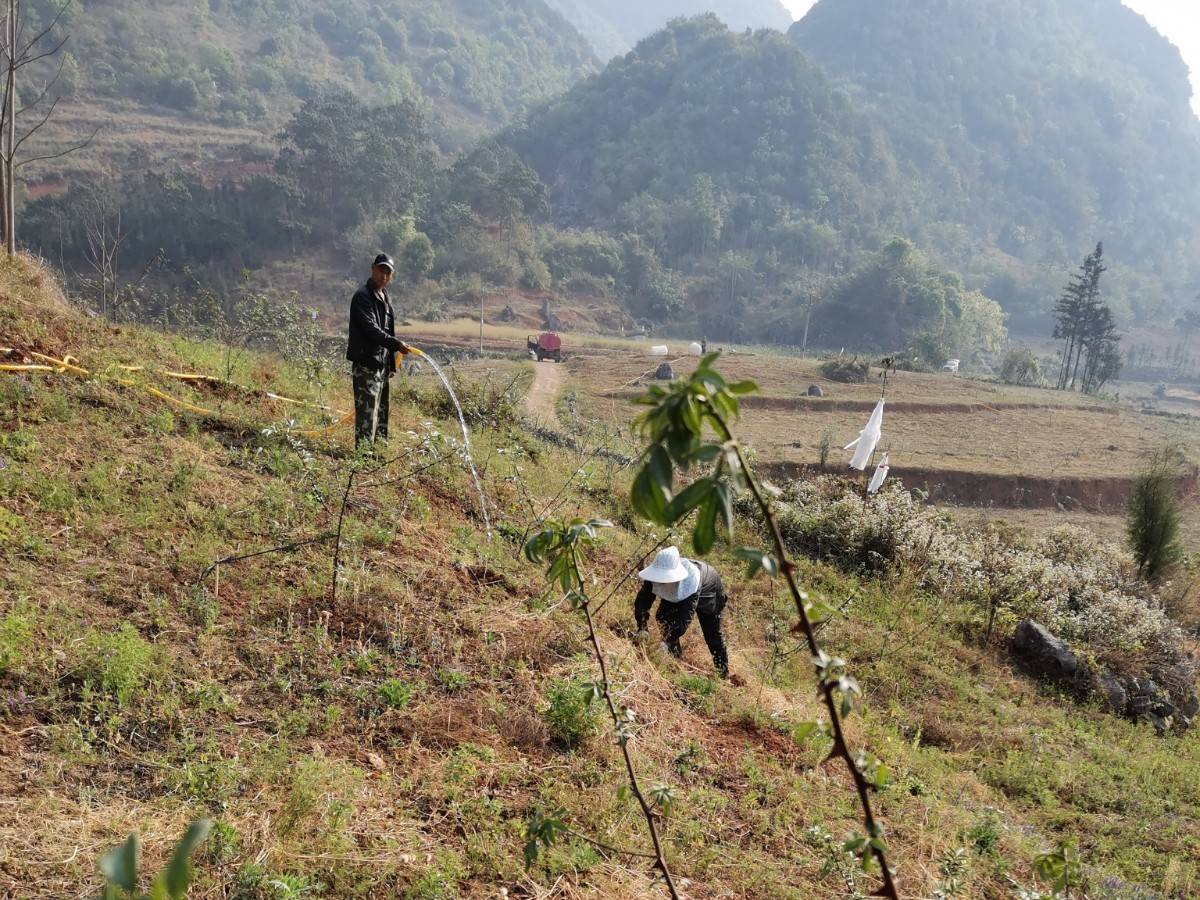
x=668, y=568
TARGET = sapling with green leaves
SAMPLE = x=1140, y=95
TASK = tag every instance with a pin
x=687, y=428
x=562, y=546
x=120, y=867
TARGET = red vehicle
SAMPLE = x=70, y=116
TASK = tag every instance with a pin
x=546, y=345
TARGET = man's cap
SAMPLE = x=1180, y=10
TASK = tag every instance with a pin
x=384, y=260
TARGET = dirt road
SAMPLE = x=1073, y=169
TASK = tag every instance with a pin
x=542, y=399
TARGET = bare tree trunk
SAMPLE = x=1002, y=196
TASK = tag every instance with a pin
x=10, y=231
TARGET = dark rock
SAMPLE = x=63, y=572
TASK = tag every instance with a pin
x=1116, y=698
x=814, y=390
x=1150, y=702
x=665, y=372
x=1042, y=654
x=1189, y=707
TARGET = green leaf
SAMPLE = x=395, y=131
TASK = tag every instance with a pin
x=758, y=561
x=661, y=471
x=740, y=388
x=705, y=533
x=120, y=864
x=725, y=506
x=882, y=775
x=689, y=498
x=179, y=870
x=803, y=731
x=648, y=498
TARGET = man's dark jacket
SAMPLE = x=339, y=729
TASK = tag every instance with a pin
x=708, y=597
x=373, y=340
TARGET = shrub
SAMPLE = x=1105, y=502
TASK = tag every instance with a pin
x=117, y=665
x=572, y=712
x=1066, y=579
x=14, y=637
x=846, y=371
x=1152, y=521
x=1020, y=366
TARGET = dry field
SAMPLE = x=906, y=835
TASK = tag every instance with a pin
x=987, y=450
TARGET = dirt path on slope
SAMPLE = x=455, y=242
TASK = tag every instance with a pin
x=542, y=400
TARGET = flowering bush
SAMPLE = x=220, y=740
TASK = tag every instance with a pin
x=1079, y=587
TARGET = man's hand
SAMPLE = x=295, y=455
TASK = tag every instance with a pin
x=404, y=348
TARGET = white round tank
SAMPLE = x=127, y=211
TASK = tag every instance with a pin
x=659, y=350
x=694, y=349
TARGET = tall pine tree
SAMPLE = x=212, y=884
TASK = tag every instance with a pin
x=1084, y=322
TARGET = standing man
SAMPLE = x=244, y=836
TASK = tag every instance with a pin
x=685, y=588
x=372, y=351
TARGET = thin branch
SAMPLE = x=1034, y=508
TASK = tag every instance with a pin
x=67, y=152
x=34, y=130
x=623, y=743
x=337, y=544
x=609, y=847
x=45, y=31
x=553, y=504
x=23, y=61
x=282, y=548
x=45, y=90
x=828, y=688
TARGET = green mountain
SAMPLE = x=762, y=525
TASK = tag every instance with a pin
x=1037, y=127
x=1004, y=146
x=250, y=62
x=613, y=28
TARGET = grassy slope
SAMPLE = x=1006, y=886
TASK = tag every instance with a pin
x=260, y=702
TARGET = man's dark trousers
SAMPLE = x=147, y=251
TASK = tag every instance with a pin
x=371, y=404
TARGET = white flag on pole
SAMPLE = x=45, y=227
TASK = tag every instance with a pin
x=881, y=473
x=864, y=445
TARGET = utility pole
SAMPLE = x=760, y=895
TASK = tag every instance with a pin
x=481, y=297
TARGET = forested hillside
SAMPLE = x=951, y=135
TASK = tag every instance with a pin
x=1035, y=127
x=1074, y=128
x=250, y=62
x=614, y=27
x=736, y=160
x=743, y=184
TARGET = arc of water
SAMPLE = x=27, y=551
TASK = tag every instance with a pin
x=462, y=421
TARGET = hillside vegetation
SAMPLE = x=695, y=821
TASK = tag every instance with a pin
x=770, y=170
x=743, y=185
x=1036, y=128
x=251, y=62
x=396, y=740
x=614, y=27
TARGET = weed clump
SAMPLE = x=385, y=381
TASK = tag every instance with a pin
x=117, y=665
x=14, y=637
x=571, y=713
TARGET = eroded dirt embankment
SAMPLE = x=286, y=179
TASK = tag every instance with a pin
x=819, y=404
x=1108, y=494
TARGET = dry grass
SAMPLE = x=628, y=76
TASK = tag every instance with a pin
x=984, y=427
x=264, y=707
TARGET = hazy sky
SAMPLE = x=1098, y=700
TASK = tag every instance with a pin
x=1179, y=20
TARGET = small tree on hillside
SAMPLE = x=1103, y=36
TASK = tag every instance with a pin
x=17, y=51
x=1153, y=517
